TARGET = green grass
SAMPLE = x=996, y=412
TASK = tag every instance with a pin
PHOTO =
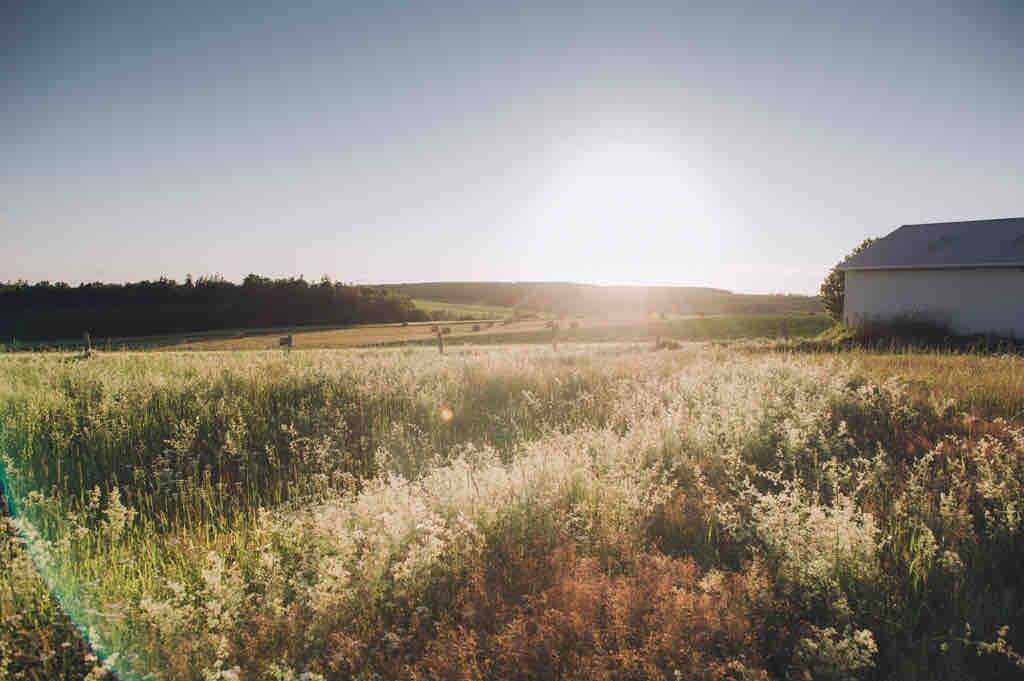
x=725, y=327
x=463, y=310
x=603, y=512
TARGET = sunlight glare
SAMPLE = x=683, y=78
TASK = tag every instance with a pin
x=621, y=203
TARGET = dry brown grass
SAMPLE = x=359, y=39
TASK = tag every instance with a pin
x=659, y=618
x=361, y=336
x=986, y=386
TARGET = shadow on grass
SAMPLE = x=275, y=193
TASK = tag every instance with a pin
x=906, y=335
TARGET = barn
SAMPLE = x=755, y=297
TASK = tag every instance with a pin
x=968, y=276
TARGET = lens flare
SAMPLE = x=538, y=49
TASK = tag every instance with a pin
x=447, y=414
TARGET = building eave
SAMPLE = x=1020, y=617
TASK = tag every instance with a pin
x=964, y=266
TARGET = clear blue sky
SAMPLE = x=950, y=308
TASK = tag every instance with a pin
x=747, y=145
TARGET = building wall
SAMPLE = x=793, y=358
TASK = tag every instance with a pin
x=970, y=300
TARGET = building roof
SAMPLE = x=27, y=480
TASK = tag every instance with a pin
x=977, y=243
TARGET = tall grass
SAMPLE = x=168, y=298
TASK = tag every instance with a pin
x=603, y=513
x=979, y=384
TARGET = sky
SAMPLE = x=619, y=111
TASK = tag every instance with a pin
x=741, y=145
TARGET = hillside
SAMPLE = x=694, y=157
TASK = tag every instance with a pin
x=567, y=298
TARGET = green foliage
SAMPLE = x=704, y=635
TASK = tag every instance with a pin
x=37, y=641
x=59, y=311
x=833, y=289
x=601, y=513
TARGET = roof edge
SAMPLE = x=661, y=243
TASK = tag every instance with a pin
x=961, y=222
x=972, y=266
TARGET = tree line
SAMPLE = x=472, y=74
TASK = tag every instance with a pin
x=47, y=310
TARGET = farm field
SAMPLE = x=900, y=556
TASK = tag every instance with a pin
x=475, y=310
x=680, y=329
x=584, y=330
x=263, y=339
x=726, y=511
x=587, y=330
x=494, y=331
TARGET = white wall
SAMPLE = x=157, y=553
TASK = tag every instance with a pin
x=969, y=300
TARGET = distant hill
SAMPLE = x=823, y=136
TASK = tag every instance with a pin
x=567, y=298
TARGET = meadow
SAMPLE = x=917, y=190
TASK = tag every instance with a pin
x=606, y=511
x=512, y=330
x=440, y=309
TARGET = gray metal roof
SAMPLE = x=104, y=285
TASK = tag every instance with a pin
x=978, y=243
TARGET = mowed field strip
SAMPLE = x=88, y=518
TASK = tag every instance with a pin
x=467, y=309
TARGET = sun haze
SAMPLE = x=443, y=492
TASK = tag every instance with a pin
x=746, y=146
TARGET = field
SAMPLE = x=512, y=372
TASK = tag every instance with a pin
x=606, y=511
x=463, y=310
x=527, y=330
x=586, y=330
x=692, y=328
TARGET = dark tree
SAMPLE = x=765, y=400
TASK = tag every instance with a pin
x=52, y=311
x=833, y=289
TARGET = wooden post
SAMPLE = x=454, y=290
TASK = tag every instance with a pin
x=785, y=330
x=440, y=340
x=286, y=343
x=554, y=335
x=87, y=341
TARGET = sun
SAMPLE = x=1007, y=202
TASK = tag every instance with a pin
x=622, y=174
x=622, y=201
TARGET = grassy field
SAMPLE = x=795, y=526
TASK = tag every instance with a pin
x=507, y=331
x=459, y=310
x=725, y=327
x=603, y=512
x=260, y=339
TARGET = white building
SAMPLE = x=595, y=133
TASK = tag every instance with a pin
x=967, y=275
